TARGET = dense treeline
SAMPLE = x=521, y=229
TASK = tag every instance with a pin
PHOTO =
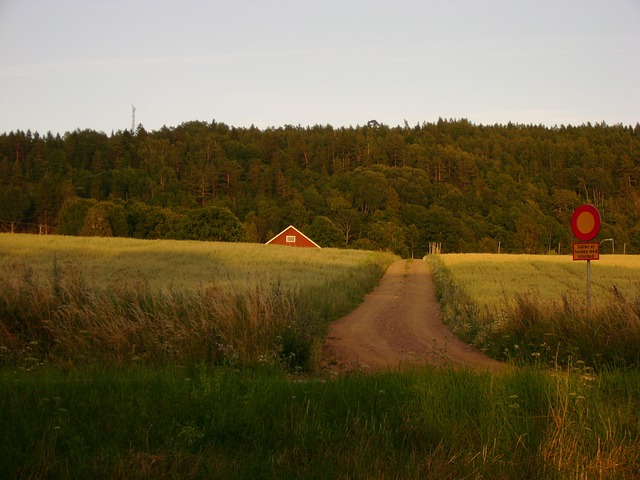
x=470, y=187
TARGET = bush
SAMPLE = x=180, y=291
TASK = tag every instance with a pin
x=86, y=217
x=211, y=223
x=148, y=222
x=96, y=224
x=73, y=214
x=325, y=233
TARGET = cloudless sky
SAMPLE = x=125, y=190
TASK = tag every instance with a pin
x=69, y=64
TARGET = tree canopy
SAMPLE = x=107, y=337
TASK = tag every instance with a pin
x=210, y=223
x=469, y=187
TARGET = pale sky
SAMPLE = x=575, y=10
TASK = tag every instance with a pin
x=69, y=64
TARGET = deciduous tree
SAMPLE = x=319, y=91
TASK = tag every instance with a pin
x=211, y=223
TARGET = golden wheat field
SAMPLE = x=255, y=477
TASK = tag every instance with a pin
x=177, y=265
x=493, y=280
x=118, y=300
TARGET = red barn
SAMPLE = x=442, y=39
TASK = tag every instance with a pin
x=294, y=238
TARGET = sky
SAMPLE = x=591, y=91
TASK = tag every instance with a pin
x=83, y=64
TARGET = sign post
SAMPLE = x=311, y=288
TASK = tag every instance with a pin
x=585, y=223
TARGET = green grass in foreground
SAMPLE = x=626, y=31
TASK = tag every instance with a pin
x=221, y=423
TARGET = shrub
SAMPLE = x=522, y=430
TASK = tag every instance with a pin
x=210, y=223
x=73, y=214
x=96, y=224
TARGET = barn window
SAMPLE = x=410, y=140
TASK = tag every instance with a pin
x=291, y=239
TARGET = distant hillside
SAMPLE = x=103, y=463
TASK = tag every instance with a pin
x=472, y=188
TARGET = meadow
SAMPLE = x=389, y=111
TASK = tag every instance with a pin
x=114, y=301
x=200, y=422
x=495, y=280
x=533, y=309
x=177, y=265
x=134, y=359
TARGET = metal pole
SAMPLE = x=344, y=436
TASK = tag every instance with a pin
x=588, y=288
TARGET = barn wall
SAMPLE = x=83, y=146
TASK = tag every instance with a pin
x=300, y=240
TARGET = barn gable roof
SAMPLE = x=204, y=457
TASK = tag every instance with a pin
x=290, y=230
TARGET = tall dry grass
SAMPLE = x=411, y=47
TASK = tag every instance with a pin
x=63, y=320
x=529, y=327
x=590, y=433
x=273, y=309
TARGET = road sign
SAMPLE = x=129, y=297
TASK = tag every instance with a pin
x=585, y=222
x=586, y=251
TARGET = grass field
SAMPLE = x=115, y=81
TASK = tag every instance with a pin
x=134, y=359
x=533, y=309
x=115, y=301
x=222, y=423
x=178, y=265
x=494, y=280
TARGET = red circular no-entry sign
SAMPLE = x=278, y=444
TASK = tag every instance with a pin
x=585, y=222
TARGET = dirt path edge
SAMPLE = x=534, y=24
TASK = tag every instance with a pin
x=398, y=325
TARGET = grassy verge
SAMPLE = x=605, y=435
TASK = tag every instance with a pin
x=200, y=422
x=528, y=326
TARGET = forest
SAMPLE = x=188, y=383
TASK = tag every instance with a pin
x=472, y=188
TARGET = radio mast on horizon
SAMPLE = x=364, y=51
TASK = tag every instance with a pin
x=133, y=119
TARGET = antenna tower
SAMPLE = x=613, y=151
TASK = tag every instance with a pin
x=133, y=119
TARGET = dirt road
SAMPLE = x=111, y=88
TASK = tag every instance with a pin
x=398, y=325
